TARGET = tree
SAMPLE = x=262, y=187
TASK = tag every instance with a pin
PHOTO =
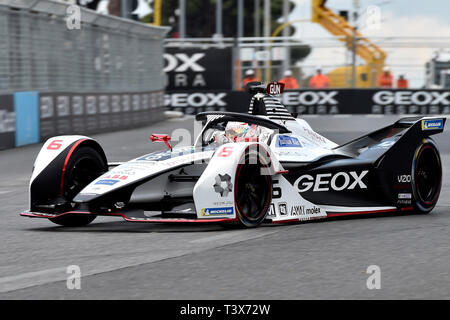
x=201, y=19
x=201, y=16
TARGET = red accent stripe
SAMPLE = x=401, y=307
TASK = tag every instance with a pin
x=76, y=144
x=338, y=214
x=286, y=221
x=117, y=214
x=283, y=171
x=407, y=208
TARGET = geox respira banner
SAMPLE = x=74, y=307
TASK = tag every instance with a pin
x=198, y=69
x=320, y=101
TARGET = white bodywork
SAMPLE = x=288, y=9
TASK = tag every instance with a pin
x=301, y=145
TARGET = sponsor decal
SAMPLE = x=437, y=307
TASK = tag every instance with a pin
x=181, y=62
x=302, y=211
x=197, y=99
x=116, y=176
x=108, y=182
x=275, y=88
x=310, y=98
x=432, y=124
x=314, y=135
x=283, y=209
x=405, y=97
x=223, y=203
x=272, y=211
x=404, y=196
x=159, y=156
x=7, y=121
x=288, y=142
x=326, y=181
x=404, y=178
x=196, y=68
x=217, y=211
x=223, y=185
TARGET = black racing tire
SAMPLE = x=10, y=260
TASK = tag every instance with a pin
x=84, y=165
x=426, y=176
x=253, y=190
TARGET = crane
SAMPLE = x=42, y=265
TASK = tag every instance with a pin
x=374, y=56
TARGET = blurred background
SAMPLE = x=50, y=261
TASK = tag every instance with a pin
x=352, y=41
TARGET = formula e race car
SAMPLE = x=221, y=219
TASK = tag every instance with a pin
x=244, y=169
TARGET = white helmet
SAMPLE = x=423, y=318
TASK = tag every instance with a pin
x=288, y=73
x=385, y=69
x=249, y=72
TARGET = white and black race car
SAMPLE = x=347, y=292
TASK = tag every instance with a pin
x=264, y=166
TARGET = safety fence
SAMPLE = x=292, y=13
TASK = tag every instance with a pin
x=66, y=70
x=326, y=101
x=30, y=117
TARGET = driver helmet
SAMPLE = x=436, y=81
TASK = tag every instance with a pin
x=236, y=130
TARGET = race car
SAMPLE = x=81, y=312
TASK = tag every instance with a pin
x=243, y=169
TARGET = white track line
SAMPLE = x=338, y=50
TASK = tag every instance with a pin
x=25, y=280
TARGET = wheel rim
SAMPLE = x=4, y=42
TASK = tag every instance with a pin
x=428, y=175
x=252, y=192
x=84, y=171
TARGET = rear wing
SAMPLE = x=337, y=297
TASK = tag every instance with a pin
x=410, y=128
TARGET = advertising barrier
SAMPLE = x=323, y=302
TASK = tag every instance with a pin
x=198, y=69
x=31, y=117
x=88, y=113
x=26, y=107
x=326, y=101
x=7, y=121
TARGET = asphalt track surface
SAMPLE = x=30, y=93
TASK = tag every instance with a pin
x=318, y=260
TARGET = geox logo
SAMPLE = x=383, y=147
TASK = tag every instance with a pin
x=337, y=182
x=421, y=98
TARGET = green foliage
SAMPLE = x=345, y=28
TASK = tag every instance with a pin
x=201, y=16
x=201, y=19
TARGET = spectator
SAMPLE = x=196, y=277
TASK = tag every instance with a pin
x=289, y=81
x=319, y=80
x=249, y=77
x=402, y=82
x=385, y=80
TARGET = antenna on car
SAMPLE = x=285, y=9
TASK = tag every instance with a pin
x=255, y=87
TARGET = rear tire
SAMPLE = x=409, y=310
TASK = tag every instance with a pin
x=426, y=176
x=85, y=165
x=253, y=190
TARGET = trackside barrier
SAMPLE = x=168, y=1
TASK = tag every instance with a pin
x=7, y=121
x=26, y=108
x=65, y=69
x=31, y=117
x=326, y=101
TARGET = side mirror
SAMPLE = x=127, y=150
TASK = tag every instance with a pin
x=162, y=137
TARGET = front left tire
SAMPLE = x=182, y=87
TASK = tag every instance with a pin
x=253, y=190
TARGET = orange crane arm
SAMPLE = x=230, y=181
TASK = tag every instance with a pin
x=338, y=26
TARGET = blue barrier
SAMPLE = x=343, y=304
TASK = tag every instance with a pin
x=26, y=106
